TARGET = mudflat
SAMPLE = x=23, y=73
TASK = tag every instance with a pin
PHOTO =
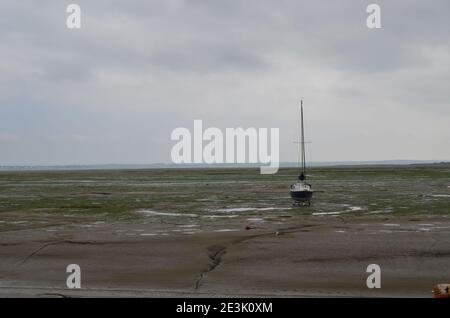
x=224, y=233
x=310, y=259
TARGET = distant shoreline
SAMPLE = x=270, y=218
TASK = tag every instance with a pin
x=215, y=166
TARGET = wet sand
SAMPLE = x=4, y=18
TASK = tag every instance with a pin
x=319, y=257
x=159, y=233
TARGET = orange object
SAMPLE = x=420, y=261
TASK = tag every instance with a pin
x=441, y=291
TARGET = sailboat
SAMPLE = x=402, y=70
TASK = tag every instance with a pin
x=301, y=191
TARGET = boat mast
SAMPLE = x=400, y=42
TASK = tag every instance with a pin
x=303, y=140
x=302, y=175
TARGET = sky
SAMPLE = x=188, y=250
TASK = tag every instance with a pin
x=114, y=90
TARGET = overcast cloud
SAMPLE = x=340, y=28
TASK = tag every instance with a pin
x=113, y=91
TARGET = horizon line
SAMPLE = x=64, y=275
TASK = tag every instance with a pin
x=285, y=164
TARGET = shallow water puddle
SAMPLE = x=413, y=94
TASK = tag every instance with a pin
x=151, y=212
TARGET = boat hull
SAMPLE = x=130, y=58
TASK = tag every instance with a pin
x=302, y=196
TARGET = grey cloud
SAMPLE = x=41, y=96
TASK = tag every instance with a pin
x=138, y=69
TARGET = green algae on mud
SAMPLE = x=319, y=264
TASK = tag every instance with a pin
x=213, y=197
